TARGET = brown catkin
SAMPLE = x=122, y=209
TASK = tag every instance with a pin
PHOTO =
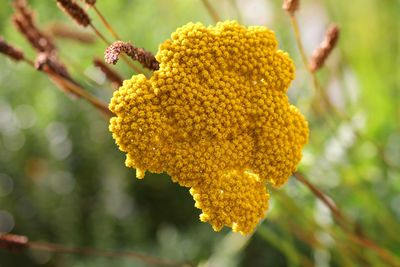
x=50, y=60
x=75, y=11
x=21, y=7
x=34, y=36
x=320, y=54
x=13, y=243
x=24, y=22
x=145, y=58
x=111, y=75
x=10, y=50
x=291, y=6
x=49, y=63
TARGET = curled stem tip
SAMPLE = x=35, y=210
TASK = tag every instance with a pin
x=145, y=58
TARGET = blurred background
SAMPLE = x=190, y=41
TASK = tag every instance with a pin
x=63, y=180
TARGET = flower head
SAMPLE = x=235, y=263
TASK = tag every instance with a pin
x=216, y=118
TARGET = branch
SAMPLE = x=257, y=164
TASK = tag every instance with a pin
x=382, y=252
x=16, y=243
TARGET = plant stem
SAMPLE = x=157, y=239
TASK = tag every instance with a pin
x=299, y=42
x=325, y=98
x=102, y=252
x=105, y=22
x=382, y=252
x=74, y=87
x=211, y=10
x=78, y=90
x=237, y=10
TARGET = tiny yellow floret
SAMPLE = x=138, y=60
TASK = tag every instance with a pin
x=216, y=118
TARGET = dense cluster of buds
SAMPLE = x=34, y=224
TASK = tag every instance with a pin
x=215, y=117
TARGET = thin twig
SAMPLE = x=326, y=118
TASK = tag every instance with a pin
x=78, y=90
x=79, y=15
x=237, y=10
x=18, y=243
x=311, y=226
x=115, y=35
x=102, y=252
x=319, y=90
x=382, y=252
x=298, y=40
x=105, y=22
x=211, y=10
x=64, y=82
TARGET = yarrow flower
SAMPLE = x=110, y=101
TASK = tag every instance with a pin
x=216, y=118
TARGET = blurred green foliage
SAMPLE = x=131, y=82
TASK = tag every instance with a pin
x=63, y=180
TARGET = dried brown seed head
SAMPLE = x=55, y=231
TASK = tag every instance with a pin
x=320, y=54
x=13, y=242
x=113, y=51
x=50, y=60
x=144, y=57
x=21, y=7
x=75, y=11
x=111, y=75
x=291, y=6
x=24, y=22
x=10, y=50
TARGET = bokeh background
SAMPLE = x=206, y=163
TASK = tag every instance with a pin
x=63, y=180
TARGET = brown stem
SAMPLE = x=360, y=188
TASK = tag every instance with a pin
x=318, y=89
x=99, y=34
x=211, y=10
x=237, y=10
x=18, y=243
x=101, y=252
x=79, y=91
x=68, y=85
x=382, y=252
x=105, y=22
x=328, y=202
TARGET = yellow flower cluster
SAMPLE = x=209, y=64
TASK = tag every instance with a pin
x=216, y=118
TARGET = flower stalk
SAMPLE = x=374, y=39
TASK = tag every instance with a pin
x=382, y=252
x=18, y=243
x=211, y=10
